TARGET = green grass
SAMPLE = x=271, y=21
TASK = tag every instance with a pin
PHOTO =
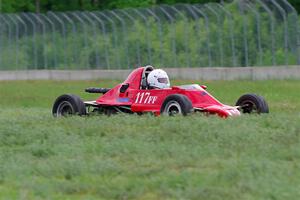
x=132, y=157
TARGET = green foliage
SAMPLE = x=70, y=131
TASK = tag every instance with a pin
x=17, y=5
x=240, y=40
x=70, y=5
x=295, y=3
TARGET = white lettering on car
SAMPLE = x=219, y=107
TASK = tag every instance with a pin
x=147, y=94
x=145, y=98
x=154, y=99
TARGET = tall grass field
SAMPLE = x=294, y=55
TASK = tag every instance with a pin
x=145, y=157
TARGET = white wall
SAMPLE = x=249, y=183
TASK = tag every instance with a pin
x=237, y=73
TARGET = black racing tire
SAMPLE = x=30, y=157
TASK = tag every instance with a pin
x=68, y=104
x=176, y=104
x=252, y=103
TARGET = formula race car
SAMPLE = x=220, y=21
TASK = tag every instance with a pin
x=148, y=90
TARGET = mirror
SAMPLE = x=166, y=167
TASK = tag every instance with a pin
x=203, y=87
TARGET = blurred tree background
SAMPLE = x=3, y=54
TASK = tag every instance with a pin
x=225, y=41
x=69, y=5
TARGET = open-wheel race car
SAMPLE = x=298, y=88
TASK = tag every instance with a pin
x=147, y=90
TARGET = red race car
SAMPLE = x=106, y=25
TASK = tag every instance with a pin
x=148, y=90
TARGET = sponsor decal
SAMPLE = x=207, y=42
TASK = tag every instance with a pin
x=145, y=98
x=123, y=100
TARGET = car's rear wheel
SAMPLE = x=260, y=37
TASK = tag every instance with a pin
x=176, y=104
x=68, y=104
x=252, y=103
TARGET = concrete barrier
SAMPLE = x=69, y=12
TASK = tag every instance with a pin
x=217, y=73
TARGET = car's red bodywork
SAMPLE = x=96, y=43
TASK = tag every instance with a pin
x=150, y=100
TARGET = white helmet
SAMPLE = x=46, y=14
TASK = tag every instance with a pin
x=158, y=78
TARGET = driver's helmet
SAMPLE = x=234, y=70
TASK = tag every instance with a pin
x=158, y=78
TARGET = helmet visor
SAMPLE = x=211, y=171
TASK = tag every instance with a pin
x=163, y=80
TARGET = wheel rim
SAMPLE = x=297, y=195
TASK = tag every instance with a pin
x=65, y=108
x=173, y=108
x=249, y=107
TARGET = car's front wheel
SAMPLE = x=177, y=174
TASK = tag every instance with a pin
x=68, y=104
x=176, y=104
x=252, y=103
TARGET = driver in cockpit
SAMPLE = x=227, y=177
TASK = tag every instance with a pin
x=158, y=79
